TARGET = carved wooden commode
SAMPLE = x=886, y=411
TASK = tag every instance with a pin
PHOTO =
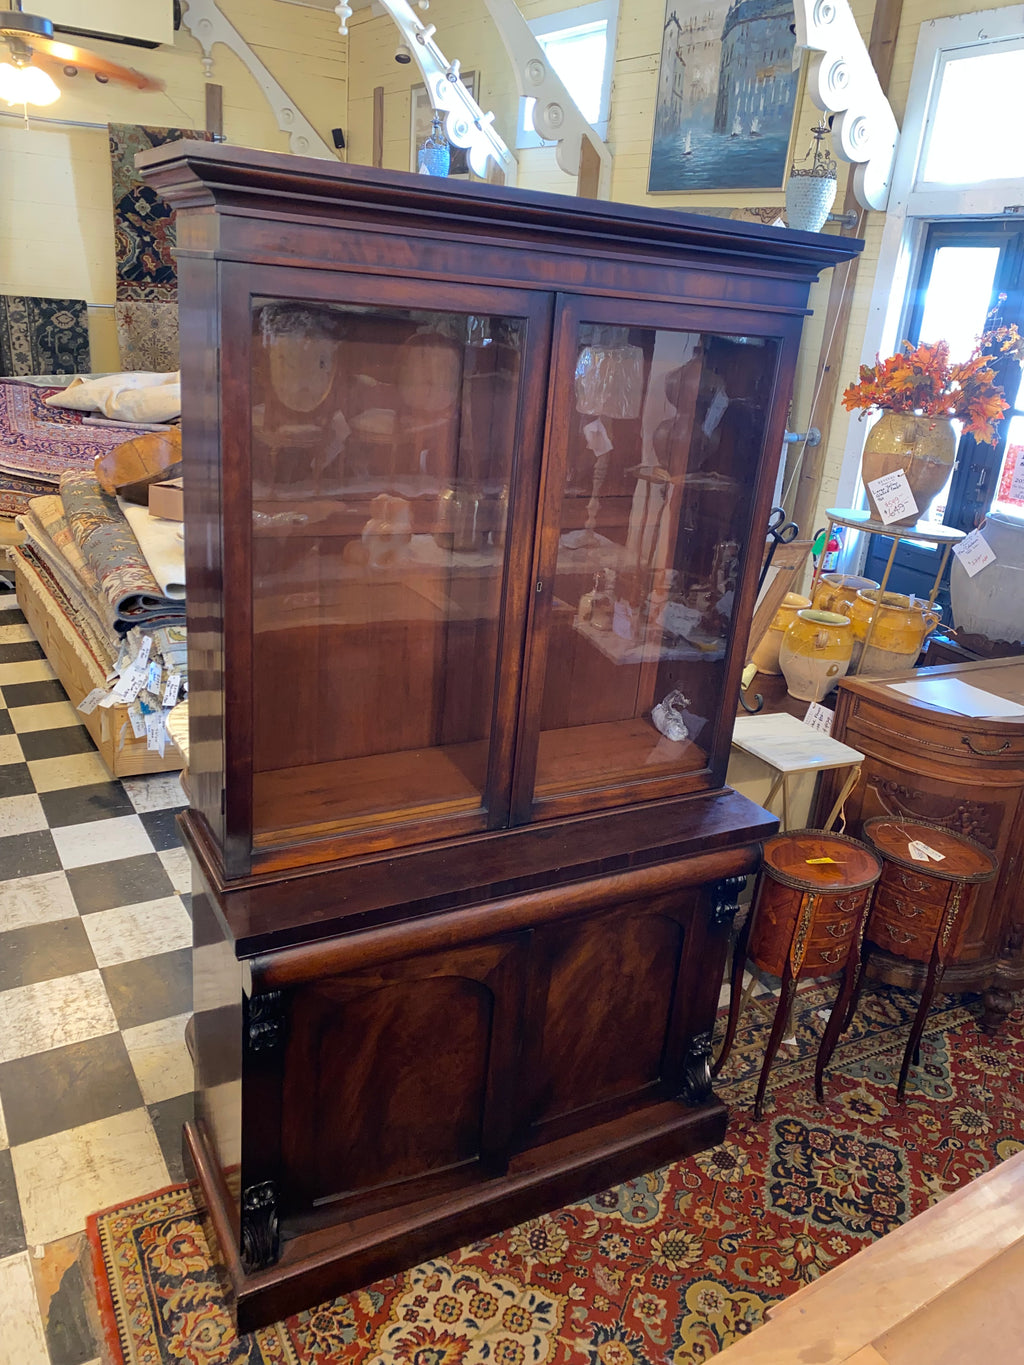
x=475, y=483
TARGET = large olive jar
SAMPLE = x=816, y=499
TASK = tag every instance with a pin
x=923, y=447
x=815, y=653
x=901, y=625
x=766, y=654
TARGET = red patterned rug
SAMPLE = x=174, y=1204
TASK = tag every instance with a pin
x=665, y=1270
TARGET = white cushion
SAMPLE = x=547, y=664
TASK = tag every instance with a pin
x=160, y=403
x=86, y=394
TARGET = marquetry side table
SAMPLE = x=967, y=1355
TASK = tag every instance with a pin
x=807, y=920
x=929, y=878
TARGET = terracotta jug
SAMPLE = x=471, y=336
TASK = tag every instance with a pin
x=900, y=629
x=815, y=653
x=766, y=655
x=838, y=591
x=923, y=447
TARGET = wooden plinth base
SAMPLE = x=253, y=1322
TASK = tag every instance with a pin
x=318, y=1266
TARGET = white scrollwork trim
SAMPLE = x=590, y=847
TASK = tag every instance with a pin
x=465, y=122
x=208, y=25
x=842, y=81
x=556, y=116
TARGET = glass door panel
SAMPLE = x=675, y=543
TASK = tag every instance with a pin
x=382, y=459
x=662, y=431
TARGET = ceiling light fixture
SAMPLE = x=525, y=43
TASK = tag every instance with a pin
x=26, y=85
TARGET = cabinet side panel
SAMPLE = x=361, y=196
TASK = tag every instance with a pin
x=217, y=1035
x=199, y=328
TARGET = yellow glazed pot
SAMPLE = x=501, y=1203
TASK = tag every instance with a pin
x=923, y=447
x=766, y=655
x=815, y=653
x=900, y=629
x=838, y=591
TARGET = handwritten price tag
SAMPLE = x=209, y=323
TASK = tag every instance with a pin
x=974, y=552
x=893, y=497
x=1017, y=481
x=819, y=718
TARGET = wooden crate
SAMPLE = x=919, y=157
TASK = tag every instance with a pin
x=79, y=673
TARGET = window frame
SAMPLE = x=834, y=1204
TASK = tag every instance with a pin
x=595, y=12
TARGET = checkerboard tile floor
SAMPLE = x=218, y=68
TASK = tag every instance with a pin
x=95, y=992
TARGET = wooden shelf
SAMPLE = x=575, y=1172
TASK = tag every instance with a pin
x=616, y=751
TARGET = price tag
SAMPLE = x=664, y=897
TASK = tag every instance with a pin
x=171, y=690
x=154, y=678
x=111, y=699
x=974, y=552
x=142, y=658
x=130, y=685
x=923, y=853
x=1017, y=478
x=819, y=718
x=893, y=497
x=138, y=722
x=156, y=734
x=89, y=703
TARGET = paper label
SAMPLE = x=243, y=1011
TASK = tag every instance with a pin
x=679, y=619
x=1017, y=478
x=923, y=853
x=156, y=735
x=596, y=436
x=893, y=497
x=111, y=699
x=130, y=685
x=154, y=678
x=974, y=552
x=142, y=658
x=89, y=703
x=137, y=721
x=171, y=690
x=819, y=718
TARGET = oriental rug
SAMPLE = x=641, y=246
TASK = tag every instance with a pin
x=43, y=336
x=668, y=1269
x=39, y=443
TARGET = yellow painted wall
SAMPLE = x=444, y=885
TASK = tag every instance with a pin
x=56, y=220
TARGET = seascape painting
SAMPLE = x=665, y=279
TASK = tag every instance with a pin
x=726, y=93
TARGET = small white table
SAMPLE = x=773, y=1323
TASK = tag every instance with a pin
x=789, y=746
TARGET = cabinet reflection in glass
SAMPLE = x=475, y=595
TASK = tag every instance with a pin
x=382, y=445
x=666, y=430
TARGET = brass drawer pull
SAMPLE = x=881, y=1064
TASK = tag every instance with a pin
x=851, y=903
x=908, y=911
x=983, y=753
x=900, y=935
x=839, y=930
x=831, y=955
x=912, y=883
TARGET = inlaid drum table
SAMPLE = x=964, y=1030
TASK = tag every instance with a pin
x=929, y=878
x=807, y=920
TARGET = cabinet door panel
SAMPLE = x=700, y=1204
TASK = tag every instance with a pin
x=394, y=452
x=659, y=419
x=399, y=1081
x=602, y=1028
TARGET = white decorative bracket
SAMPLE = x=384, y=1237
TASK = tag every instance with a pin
x=207, y=24
x=556, y=116
x=842, y=81
x=466, y=125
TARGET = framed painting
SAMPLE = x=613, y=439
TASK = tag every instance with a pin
x=422, y=114
x=726, y=95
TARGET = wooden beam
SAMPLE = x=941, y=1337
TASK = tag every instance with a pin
x=215, y=109
x=590, y=170
x=881, y=49
x=378, y=126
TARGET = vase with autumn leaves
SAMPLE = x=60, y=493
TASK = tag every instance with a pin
x=919, y=392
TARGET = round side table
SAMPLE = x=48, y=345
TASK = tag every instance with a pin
x=929, y=876
x=807, y=920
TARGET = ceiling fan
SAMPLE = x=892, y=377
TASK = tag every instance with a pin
x=33, y=54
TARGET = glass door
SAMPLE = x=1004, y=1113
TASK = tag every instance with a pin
x=655, y=433
x=391, y=449
x=966, y=272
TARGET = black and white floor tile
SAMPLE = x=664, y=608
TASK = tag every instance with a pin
x=95, y=992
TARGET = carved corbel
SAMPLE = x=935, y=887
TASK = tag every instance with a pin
x=697, y=1069
x=466, y=125
x=260, y=1241
x=842, y=81
x=724, y=900
x=208, y=25
x=556, y=116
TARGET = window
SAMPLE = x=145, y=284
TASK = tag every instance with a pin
x=580, y=45
x=978, y=94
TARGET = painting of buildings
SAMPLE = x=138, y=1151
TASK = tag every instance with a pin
x=726, y=93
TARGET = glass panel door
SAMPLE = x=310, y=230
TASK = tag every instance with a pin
x=383, y=452
x=654, y=439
